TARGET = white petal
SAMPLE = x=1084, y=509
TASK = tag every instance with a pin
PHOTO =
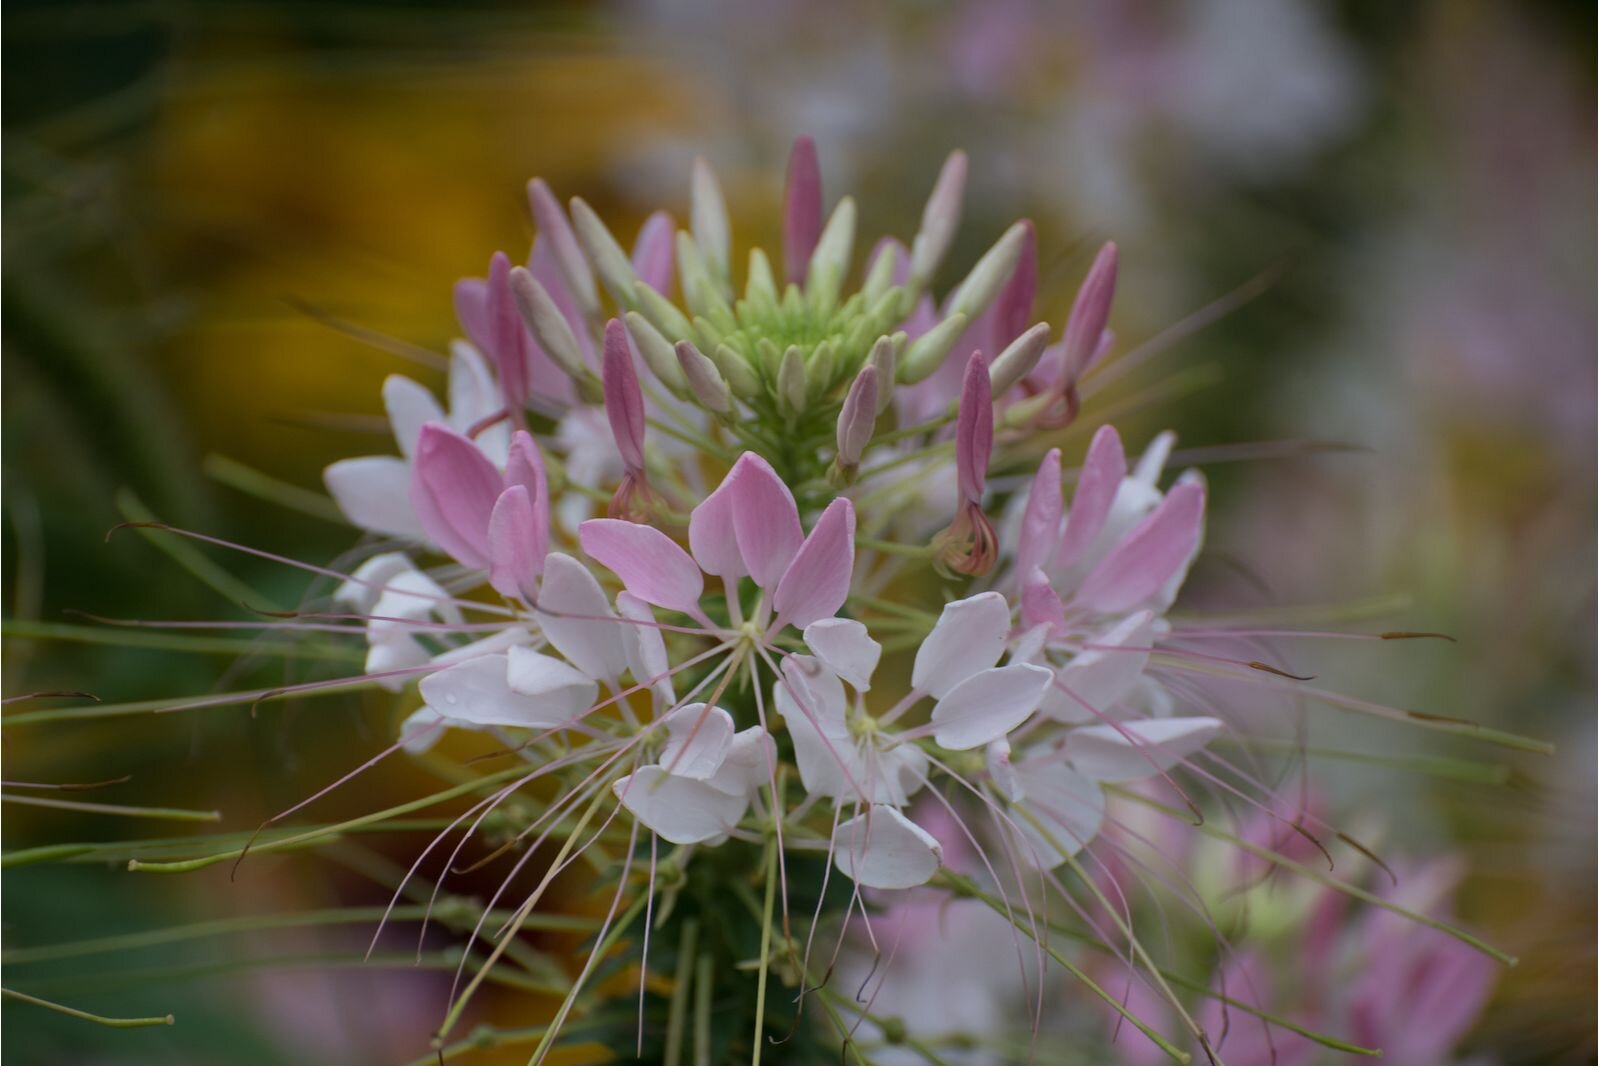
x=679, y=809
x=1138, y=749
x=560, y=691
x=401, y=654
x=645, y=648
x=373, y=491
x=884, y=849
x=505, y=640
x=476, y=691
x=474, y=396
x=749, y=763
x=890, y=775
x=845, y=648
x=1104, y=675
x=809, y=693
x=1067, y=807
x=422, y=730
x=578, y=619
x=997, y=759
x=366, y=583
x=410, y=596
x=698, y=738
x=969, y=636
x=411, y=406
x=988, y=705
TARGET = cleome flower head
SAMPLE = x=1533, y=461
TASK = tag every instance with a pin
x=756, y=587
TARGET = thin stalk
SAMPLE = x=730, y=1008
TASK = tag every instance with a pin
x=98, y=1019
x=766, y=948
x=678, y=1008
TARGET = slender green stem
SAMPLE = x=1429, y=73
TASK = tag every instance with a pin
x=253, y=482
x=172, y=814
x=678, y=1008
x=703, y=974
x=766, y=948
x=181, y=642
x=325, y=832
x=98, y=1019
x=186, y=555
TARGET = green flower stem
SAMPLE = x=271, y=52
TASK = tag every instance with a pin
x=678, y=1007
x=766, y=948
x=253, y=482
x=223, y=699
x=183, y=642
x=610, y=941
x=98, y=1019
x=1447, y=769
x=703, y=974
x=443, y=912
x=173, y=814
x=188, y=556
x=325, y=832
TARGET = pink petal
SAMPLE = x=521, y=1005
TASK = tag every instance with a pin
x=1147, y=558
x=1012, y=310
x=1041, y=520
x=648, y=561
x=712, y=540
x=974, y=429
x=1103, y=470
x=472, y=311
x=525, y=467
x=802, y=209
x=515, y=558
x=1040, y=604
x=766, y=522
x=624, y=401
x=1090, y=311
x=969, y=636
x=698, y=739
x=882, y=848
x=454, y=487
x=653, y=256
x=508, y=340
x=988, y=705
x=817, y=582
x=1132, y=751
x=556, y=233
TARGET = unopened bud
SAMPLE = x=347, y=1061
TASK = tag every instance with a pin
x=939, y=220
x=556, y=229
x=701, y=375
x=657, y=352
x=831, y=259
x=928, y=351
x=740, y=376
x=857, y=417
x=883, y=357
x=791, y=385
x=548, y=324
x=708, y=218
x=990, y=273
x=609, y=260
x=1019, y=358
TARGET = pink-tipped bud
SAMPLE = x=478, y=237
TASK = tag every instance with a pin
x=857, y=417
x=624, y=402
x=703, y=378
x=1090, y=312
x=802, y=209
x=653, y=256
x=974, y=430
x=508, y=340
x=556, y=228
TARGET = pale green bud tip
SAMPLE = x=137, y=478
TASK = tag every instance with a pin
x=990, y=273
x=831, y=260
x=939, y=219
x=610, y=261
x=1019, y=358
x=703, y=379
x=928, y=351
x=883, y=358
x=656, y=351
x=548, y=324
x=792, y=382
x=708, y=217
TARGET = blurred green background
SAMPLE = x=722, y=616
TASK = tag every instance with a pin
x=226, y=222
